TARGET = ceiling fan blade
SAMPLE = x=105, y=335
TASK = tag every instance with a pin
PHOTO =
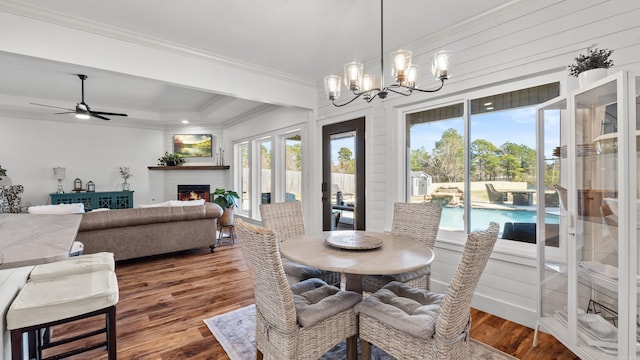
x=107, y=113
x=95, y=115
x=66, y=112
x=55, y=107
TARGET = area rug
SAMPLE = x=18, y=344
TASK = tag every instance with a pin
x=235, y=331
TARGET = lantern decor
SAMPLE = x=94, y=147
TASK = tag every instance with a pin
x=77, y=185
x=91, y=187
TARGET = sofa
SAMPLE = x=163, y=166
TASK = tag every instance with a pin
x=145, y=231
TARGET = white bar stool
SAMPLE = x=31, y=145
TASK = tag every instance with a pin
x=60, y=300
x=73, y=265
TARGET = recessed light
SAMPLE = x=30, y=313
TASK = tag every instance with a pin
x=488, y=104
x=489, y=108
x=184, y=121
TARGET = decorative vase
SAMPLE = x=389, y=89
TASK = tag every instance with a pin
x=171, y=163
x=125, y=186
x=227, y=217
x=588, y=77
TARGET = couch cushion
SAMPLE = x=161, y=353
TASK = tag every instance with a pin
x=144, y=216
x=316, y=301
x=404, y=308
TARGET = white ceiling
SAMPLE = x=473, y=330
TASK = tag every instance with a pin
x=301, y=38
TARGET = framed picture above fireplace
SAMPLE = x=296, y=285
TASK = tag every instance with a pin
x=193, y=145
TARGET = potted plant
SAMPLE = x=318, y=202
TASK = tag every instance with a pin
x=125, y=172
x=227, y=199
x=591, y=66
x=171, y=159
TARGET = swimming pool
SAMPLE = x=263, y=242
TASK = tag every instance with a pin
x=452, y=218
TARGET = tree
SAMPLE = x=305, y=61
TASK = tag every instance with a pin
x=521, y=162
x=293, y=157
x=419, y=160
x=484, y=160
x=346, y=163
x=447, y=159
x=266, y=157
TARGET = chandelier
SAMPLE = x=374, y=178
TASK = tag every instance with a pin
x=406, y=75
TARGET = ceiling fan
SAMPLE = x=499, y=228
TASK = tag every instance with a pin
x=82, y=110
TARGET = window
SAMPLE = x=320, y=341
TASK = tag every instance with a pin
x=268, y=169
x=266, y=188
x=244, y=182
x=500, y=177
x=293, y=167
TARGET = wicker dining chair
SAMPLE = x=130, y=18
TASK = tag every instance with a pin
x=419, y=221
x=410, y=323
x=286, y=220
x=302, y=321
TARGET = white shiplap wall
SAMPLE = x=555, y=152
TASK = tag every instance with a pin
x=523, y=40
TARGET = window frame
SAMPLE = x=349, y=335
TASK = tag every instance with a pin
x=520, y=249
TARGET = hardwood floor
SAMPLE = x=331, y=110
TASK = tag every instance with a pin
x=164, y=299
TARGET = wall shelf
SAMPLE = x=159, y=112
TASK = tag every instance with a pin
x=194, y=167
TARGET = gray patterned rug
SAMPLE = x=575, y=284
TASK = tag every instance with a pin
x=235, y=331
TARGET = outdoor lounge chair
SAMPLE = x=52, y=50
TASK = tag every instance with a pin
x=495, y=197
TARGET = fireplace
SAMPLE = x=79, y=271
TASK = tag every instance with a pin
x=194, y=192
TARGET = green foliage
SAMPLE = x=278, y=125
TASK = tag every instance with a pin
x=3, y=172
x=225, y=198
x=293, y=157
x=448, y=157
x=167, y=159
x=594, y=59
x=266, y=157
x=419, y=160
x=346, y=162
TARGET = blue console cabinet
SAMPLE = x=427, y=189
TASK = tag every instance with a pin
x=96, y=200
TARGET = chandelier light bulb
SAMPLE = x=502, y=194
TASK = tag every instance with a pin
x=441, y=64
x=401, y=61
x=353, y=75
x=412, y=76
x=332, y=86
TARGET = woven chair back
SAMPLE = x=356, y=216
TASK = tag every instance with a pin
x=454, y=314
x=274, y=299
x=284, y=218
x=419, y=221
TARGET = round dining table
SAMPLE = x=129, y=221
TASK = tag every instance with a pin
x=357, y=253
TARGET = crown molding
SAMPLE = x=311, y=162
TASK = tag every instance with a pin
x=260, y=110
x=100, y=29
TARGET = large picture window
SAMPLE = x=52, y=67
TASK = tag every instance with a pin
x=499, y=179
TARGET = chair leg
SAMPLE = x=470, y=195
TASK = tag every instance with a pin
x=258, y=354
x=111, y=333
x=352, y=347
x=365, y=350
x=16, y=344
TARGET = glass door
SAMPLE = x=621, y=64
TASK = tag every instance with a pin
x=343, y=183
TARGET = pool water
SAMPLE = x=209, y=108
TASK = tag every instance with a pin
x=452, y=218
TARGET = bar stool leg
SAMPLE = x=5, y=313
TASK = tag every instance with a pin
x=16, y=344
x=111, y=333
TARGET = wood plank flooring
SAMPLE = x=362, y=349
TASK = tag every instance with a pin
x=164, y=299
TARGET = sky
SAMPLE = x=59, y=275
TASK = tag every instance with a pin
x=516, y=126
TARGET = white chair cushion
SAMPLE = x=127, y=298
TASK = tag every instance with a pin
x=57, y=209
x=40, y=302
x=413, y=311
x=316, y=301
x=162, y=204
x=186, y=203
x=73, y=265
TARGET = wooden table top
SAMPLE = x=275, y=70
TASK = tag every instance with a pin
x=397, y=254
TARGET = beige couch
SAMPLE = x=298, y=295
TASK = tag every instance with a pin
x=133, y=233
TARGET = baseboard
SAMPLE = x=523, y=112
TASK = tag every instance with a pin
x=506, y=310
